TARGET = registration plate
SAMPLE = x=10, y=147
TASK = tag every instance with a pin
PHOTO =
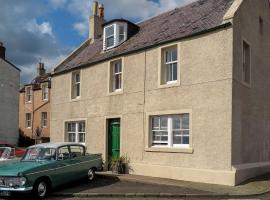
x=5, y=193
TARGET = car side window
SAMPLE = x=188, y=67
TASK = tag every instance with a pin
x=76, y=151
x=63, y=153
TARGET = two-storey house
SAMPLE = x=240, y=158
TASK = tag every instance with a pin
x=34, y=107
x=9, y=103
x=184, y=95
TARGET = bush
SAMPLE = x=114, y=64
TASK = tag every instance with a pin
x=25, y=141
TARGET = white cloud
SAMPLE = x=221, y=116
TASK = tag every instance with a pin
x=43, y=28
x=58, y=3
x=81, y=28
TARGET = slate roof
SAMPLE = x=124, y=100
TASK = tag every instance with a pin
x=195, y=18
x=36, y=82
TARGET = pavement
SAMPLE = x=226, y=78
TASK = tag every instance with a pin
x=133, y=187
x=111, y=185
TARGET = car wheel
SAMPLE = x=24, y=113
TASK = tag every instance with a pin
x=41, y=189
x=91, y=174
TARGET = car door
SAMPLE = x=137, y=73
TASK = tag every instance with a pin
x=77, y=161
x=62, y=172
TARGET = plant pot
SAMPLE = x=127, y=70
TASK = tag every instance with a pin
x=118, y=168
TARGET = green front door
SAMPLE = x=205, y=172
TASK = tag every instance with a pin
x=114, y=139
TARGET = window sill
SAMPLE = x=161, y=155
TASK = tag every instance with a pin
x=170, y=150
x=76, y=99
x=118, y=92
x=168, y=85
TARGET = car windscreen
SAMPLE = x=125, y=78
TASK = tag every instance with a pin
x=39, y=153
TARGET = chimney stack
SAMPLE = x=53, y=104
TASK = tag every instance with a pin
x=2, y=51
x=96, y=21
x=40, y=69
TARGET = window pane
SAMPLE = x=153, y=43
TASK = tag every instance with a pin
x=177, y=139
x=164, y=123
x=77, y=89
x=117, y=67
x=185, y=139
x=174, y=71
x=176, y=122
x=185, y=121
x=155, y=123
x=168, y=56
x=110, y=41
x=121, y=38
x=76, y=151
x=81, y=127
x=109, y=31
x=117, y=81
x=71, y=127
x=71, y=137
x=81, y=138
x=77, y=78
x=174, y=55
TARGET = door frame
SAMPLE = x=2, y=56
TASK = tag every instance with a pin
x=106, y=138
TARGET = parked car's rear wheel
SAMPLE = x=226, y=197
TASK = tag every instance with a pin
x=91, y=174
x=41, y=188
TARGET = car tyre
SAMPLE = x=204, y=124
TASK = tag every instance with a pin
x=41, y=189
x=91, y=174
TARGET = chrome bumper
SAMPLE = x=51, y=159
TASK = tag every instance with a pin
x=24, y=189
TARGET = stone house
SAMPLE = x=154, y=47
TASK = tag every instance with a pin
x=9, y=103
x=34, y=107
x=184, y=95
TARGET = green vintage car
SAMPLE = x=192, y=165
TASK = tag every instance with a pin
x=45, y=166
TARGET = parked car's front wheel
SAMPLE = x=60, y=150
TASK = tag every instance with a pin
x=41, y=188
x=91, y=174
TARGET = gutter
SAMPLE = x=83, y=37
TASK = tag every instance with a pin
x=222, y=26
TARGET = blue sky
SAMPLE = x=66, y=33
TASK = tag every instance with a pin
x=51, y=29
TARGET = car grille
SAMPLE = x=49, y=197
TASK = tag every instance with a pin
x=2, y=182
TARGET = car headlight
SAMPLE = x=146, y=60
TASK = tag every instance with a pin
x=14, y=181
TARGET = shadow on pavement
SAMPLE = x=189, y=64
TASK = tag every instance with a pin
x=74, y=187
x=261, y=178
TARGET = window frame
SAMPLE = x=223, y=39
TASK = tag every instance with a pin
x=30, y=95
x=45, y=91
x=44, y=125
x=75, y=84
x=116, y=36
x=167, y=149
x=245, y=42
x=162, y=74
x=76, y=131
x=113, y=35
x=168, y=64
x=112, y=77
x=28, y=121
x=170, y=132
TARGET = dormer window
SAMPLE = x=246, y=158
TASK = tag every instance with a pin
x=114, y=34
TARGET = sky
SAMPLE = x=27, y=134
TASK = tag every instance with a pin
x=49, y=30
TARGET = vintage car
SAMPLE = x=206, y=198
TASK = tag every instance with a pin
x=7, y=155
x=45, y=166
x=19, y=152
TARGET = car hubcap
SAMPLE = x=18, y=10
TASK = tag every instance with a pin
x=42, y=189
x=91, y=174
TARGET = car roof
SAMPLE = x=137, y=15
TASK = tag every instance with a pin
x=55, y=145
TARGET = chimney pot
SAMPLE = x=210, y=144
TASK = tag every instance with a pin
x=101, y=11
x=2, y=51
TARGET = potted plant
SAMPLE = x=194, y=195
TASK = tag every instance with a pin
x=118, y=165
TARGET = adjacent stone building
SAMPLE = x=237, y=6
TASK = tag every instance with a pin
x=34, y=114
x=184, y=95
x=9, y=95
